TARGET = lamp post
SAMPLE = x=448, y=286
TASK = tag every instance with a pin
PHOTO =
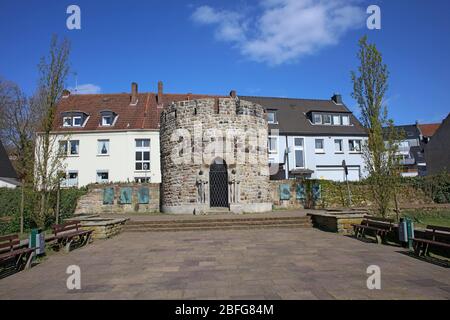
x=344, y=165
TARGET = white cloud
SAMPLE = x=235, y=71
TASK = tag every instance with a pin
x=284, y=30
x=87, y=88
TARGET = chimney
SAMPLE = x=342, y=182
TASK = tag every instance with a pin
x=134, y=93
x=233, y=94
x=337, y=98
x=65, y=93
x=160, y=92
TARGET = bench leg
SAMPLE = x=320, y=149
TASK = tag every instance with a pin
x=425, y=251
x=67, y=246
x=29, y=259
x=379, y=238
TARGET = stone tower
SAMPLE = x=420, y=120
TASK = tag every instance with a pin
x=214, y=156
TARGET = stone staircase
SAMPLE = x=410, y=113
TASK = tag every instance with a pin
x=202, y=223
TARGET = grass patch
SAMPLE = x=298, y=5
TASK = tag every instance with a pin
x=421, y=218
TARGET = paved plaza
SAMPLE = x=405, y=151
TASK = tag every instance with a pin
x=235, y=264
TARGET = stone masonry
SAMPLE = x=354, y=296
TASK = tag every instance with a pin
x=198, y=133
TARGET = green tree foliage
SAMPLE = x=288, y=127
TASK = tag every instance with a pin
x=10, y=207
x=370, y=84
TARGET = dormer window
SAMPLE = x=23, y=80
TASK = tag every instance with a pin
x=107, y=118
x=107, y=121
x=74, y=119
x=317, y=119
x=77, y=121
x=272, y=116
x=329, y=119
x=67, y=122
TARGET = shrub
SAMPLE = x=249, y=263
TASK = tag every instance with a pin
x=10, y=207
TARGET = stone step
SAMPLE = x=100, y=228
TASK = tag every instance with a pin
x=200, y=225
x=215, y=220
x=230, y=227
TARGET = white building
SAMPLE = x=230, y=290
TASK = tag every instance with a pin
x=111, y=137
x=312, y=138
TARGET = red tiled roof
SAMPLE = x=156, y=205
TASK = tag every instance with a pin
x=144, y=115
x=428, y=130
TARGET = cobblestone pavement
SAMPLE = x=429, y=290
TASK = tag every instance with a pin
x=247, y=264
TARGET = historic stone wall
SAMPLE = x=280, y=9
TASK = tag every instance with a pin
x=92, y=202
x=197, y=133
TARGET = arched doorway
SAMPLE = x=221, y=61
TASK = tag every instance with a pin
x=218, y=184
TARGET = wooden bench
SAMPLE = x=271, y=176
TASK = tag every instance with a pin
x=67, y=233
x=13, y=254
x=434, y=236
x=379, y=227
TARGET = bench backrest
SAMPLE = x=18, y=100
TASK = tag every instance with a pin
x=68, y=226
x=379, y=219
x=9, y=242
x=438, y=228
x=378, y=223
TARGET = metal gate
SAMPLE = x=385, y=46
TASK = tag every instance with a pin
x=218, y=186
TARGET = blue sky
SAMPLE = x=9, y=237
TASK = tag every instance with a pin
x=283, y=48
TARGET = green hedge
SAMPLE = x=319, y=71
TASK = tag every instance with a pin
x=437, y=187
x=10, y=207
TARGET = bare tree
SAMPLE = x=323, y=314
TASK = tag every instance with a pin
x=54, y=70
x=17, y=126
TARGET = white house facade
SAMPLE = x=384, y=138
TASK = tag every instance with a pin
x=313, y=139
x=108, y=156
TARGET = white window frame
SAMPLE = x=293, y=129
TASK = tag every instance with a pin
x=77, y=125
x=299, y=148
x=64, y=152
x=99, y=172
x=325, y=116
x=319, y=117
x=104, y=124
x=70, y=148
x=350, y=146
x=322, y=150
x=100, y=141
x=141, y=150
x=274, y=113
x=272, y=151
x=339, y=118
x=341, y=144
x=348, y=120
x=69, y=124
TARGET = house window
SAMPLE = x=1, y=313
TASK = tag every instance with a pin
x=338, y=147
x=67, y=122
x=102, y=176
x=319, y=146
x=354, y=145
x=318, y=119
x=74, y=147
x=271, y=117
x=299, y=154
x=273, y=144
x=326, y=119
x=71, y=179
x=142, y=155
x=345, y=120
x=77, y=121
x=63, y=148
x=337, y=120
x=107, y=121
x=103, y=147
